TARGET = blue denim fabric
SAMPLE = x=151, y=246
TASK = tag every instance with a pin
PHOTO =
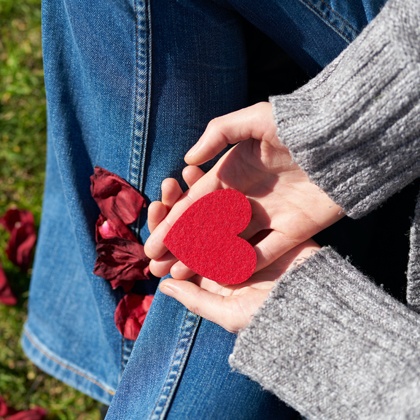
x=130, y=87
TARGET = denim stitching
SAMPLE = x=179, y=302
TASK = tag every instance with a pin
x=122, y=358
x=176, y=368
x=337, y=15
x=142, y=94
x=126, y=349
x=140, y=118
x=67, y=367
x=312, y=6
x=345, y=29
x=136, y=178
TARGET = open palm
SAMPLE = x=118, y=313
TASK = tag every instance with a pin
x=233, y=306
x=287, y=208
x=230, y=306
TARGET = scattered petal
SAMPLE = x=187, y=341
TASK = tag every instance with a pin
x=107, y=229
x=121, y=259
x=21, y=225
x=131, y=313
x=21, y=244
x=4, y=409
x=116, y=198
x=36, y=413
x=9, y=413
x=126, y=285
x=16, y=217
x=7, y=298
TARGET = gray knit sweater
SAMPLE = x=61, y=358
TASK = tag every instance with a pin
x=328, y=341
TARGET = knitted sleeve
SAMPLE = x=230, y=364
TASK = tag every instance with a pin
x=355, y=128
x=328, y=341
x=333, y=345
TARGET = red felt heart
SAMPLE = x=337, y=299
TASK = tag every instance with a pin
x=205, y=237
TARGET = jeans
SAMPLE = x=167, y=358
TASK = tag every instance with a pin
x=130, y=87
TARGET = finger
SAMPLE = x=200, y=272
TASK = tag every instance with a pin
x=290, y=259
x=274, y=245
x=255, y=122
x=162, y=266
x=154, y=246
x=191, y=174
x=180, y=271
x=232, y=289
x=156, y=212
x=199, y=301
x=171, y=192
x=252, y=231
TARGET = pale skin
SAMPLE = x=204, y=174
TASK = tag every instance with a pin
x=232, y=306
x=288, y=209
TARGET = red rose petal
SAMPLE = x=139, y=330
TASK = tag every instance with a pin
x=21, y=244
x=6, y=296
x=36, y=413
x=20, y=224
x=107, y=229
x=16, y=217
x=131, y=313
x=4, y=409
x=126, y=285
x=116, y=198
x=121, y=259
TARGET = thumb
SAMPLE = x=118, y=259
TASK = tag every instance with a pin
x=254, y=122
x=198, y=300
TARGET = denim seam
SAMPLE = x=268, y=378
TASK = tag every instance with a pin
x=63, y=365
x=126, y=349
x=354, y=32
x=177, y=365
x=122, y=357
x=140, y=117
x=142, y=94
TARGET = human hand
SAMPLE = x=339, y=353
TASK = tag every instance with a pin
x=233, y=306
x=286, y=206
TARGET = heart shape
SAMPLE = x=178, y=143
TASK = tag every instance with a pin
x=205, y=237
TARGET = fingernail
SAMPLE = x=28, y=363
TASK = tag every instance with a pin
x=168, y=289
x=193, y=151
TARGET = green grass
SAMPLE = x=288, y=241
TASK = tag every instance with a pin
x=22, y=160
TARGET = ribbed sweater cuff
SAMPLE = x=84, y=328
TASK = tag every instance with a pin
x=333, y=345
x=354, y=128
